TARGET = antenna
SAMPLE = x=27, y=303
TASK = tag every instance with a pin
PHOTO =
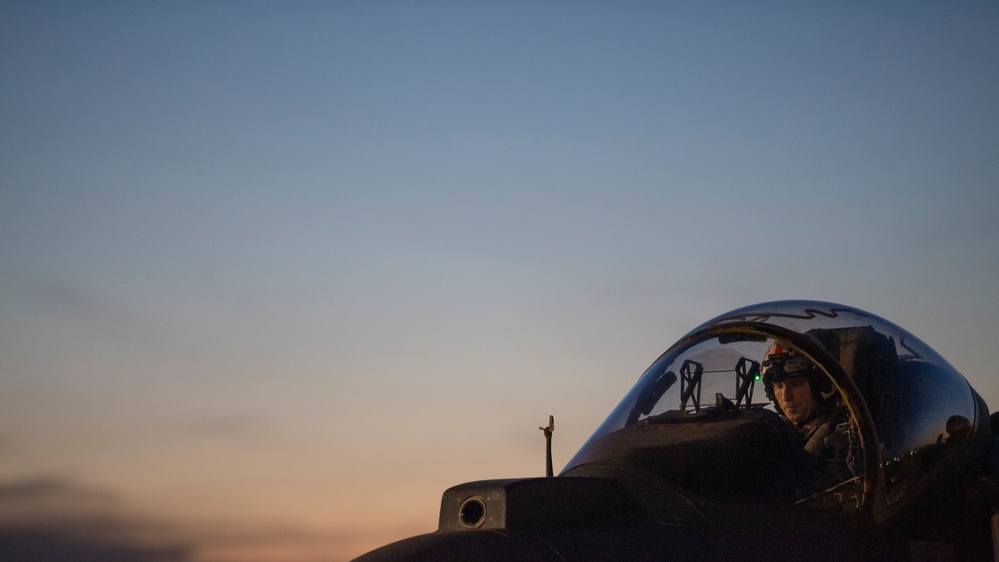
x=548, y=444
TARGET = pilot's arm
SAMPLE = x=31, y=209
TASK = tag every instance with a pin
x=815, y=438
x=832, y=447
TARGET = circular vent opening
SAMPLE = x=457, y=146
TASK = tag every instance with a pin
x=472, y=512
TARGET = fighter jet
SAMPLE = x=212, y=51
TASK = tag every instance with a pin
x=791, y=430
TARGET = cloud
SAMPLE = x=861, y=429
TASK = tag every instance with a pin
x=71, y=298
x=49, y=545
x=72, y=307
x=44, y=488
x=136, y=539
x=26, y=499
x=242, y=425
x=47, y=518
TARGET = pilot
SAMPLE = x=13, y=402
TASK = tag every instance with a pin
x=804, y=395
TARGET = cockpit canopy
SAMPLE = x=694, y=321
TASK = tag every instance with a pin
x=701, y=418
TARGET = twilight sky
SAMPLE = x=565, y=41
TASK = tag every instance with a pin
x=273, y=276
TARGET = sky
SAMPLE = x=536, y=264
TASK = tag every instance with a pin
x=275, y=275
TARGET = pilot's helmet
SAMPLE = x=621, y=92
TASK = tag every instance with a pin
x=781, y=364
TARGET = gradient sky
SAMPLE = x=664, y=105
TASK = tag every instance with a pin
x=272, y=276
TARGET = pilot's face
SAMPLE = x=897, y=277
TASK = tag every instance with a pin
x=794, y=396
